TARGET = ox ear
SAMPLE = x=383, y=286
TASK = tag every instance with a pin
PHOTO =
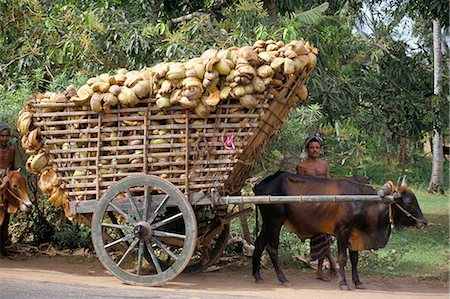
x=2, y=215
x=12, y=208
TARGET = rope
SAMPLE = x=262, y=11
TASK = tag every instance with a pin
x=13, y=194
x=405, y=211
x=389, y=188
x=391, y=218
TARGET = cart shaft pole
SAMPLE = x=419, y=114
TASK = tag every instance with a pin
x=197, y=199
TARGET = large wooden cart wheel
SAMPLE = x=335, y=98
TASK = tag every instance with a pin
x=140, y=217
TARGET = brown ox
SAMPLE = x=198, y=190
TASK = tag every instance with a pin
x=356, y=225
x=13, y=197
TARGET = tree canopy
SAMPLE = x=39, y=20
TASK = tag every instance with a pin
x=369, y=75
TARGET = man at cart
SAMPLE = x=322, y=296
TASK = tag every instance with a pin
x=7, y=153
x=313, y=166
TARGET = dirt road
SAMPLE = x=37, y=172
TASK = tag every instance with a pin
x=230, y=281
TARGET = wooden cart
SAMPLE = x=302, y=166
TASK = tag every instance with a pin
x=153, y=182
x=156, y=209
x=156, y=184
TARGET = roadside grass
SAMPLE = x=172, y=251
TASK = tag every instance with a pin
x=419, y=254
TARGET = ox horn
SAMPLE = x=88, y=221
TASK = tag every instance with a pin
x=404, y=180
x=399, y=181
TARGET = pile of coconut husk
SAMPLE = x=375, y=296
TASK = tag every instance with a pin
x=188, y=122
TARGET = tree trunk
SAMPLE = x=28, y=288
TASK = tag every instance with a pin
x=388, y=143
x=403, y=152
x=337, y=125
x=271, y=8
x=437, y=172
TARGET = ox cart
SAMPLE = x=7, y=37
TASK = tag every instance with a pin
x=155, y=179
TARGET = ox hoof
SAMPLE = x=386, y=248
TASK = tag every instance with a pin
x=323, y=277
x=259, y=281
x=360, y=286
x=286, y=284
x=345, y=287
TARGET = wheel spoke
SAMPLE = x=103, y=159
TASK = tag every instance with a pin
x=123, y=239
x=167, y=220
x=121, y=212
x=153, y=256
x=140, y=254
x=120, y=226
x=158, y=209
x=133, y=205
x=135, y=241
x=165, y=248
x=146, y=204
x=160, y=233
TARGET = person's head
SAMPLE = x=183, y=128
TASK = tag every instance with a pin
x=5, y=133
x=313, y=145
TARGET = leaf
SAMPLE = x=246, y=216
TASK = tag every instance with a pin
x=313, y=15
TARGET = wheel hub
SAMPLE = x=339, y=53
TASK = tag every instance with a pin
x=142, y=230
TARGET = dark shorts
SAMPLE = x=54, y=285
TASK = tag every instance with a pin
x=320, y=245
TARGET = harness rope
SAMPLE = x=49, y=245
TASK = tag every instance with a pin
x=13, y=194
x=408, y=214
x=9, y=190
x=389, y=188
x=391, y=218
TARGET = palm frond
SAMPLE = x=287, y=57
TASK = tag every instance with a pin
x=313, y=15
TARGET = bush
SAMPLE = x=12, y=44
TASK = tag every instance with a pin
x=44, y=224
x=380, y=259
x=72, y=236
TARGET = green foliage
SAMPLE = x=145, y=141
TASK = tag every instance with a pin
x=301, y=122
x=430, y=10
x=13, y=96
x=380, y=259
x=72, y=236
x=252, y=9
x=296, y=247
x=44, y=224
x=312, y=16
x=98, y=37
x=37, y=226
x=69, y=36
x=40, y=226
